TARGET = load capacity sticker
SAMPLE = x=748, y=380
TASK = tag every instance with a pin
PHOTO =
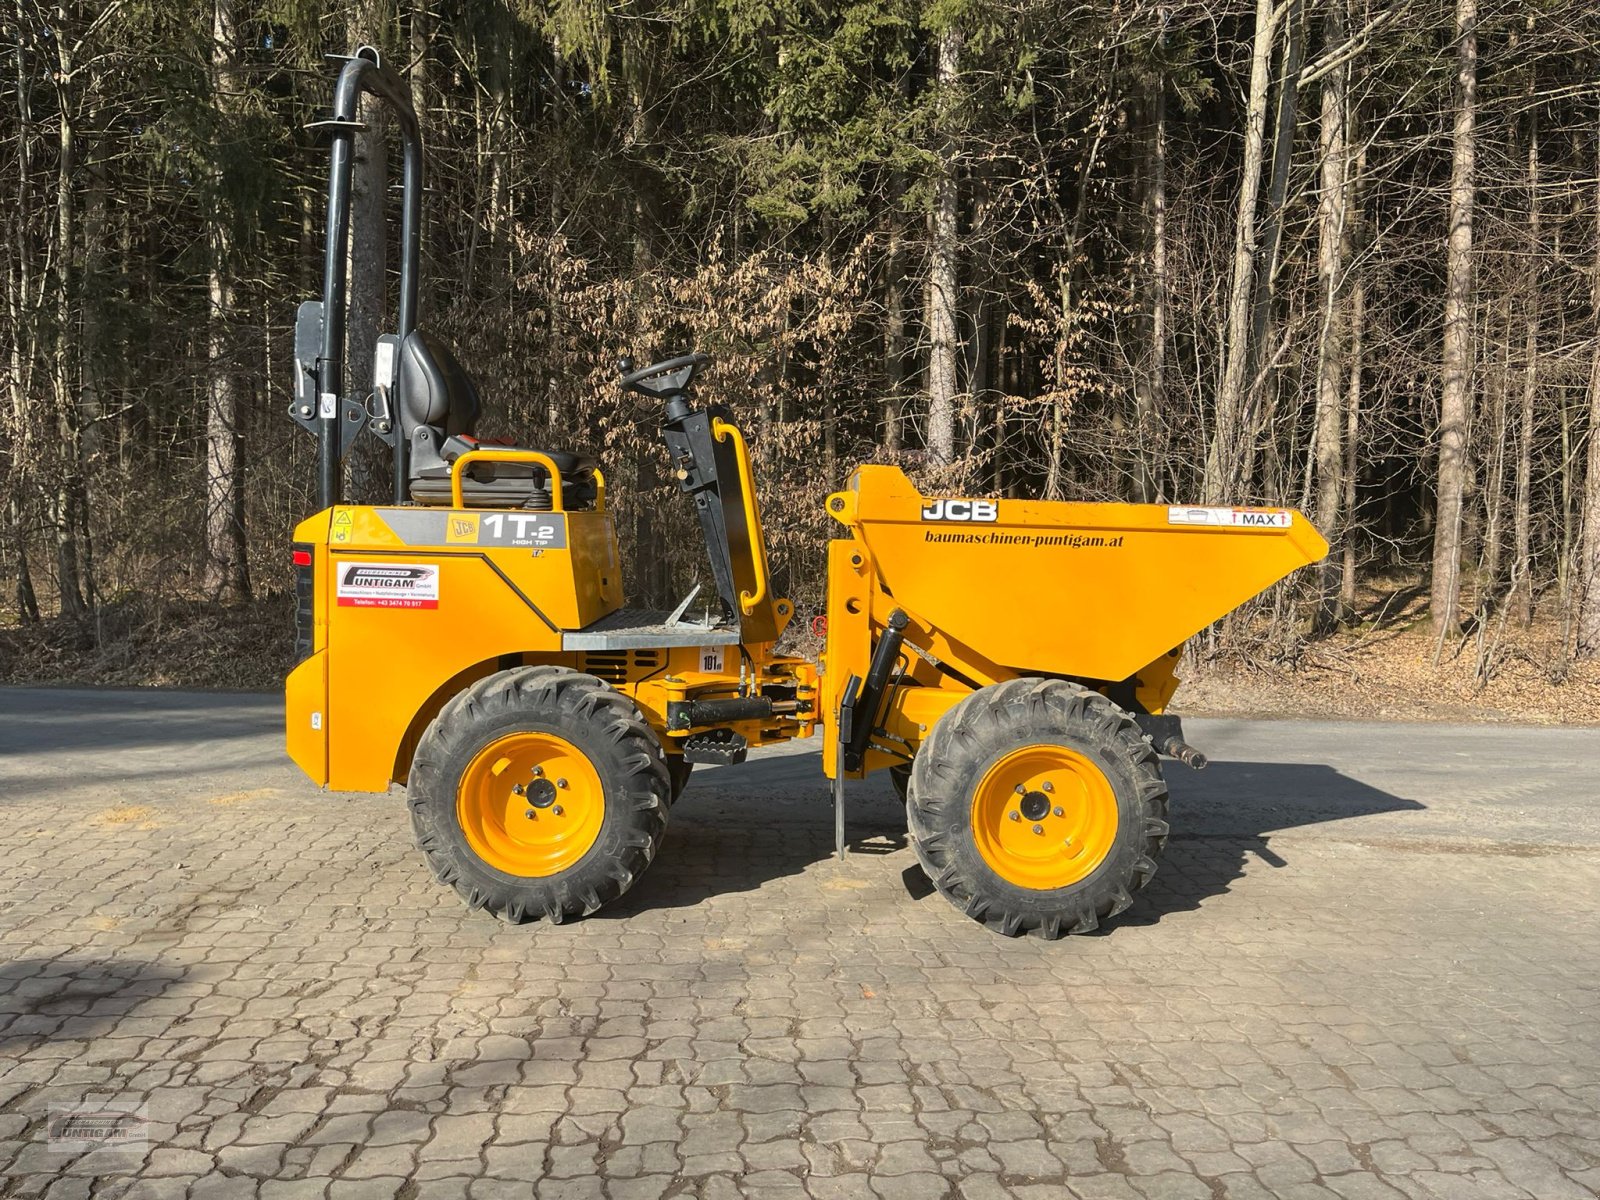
x=388, y=585
x=1232, y=518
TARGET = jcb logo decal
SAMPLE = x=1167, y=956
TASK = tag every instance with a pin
x=462, y=529
x=961, y=510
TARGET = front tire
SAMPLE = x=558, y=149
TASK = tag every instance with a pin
x=900, y=780
x=1037, y=806
x=539, y=791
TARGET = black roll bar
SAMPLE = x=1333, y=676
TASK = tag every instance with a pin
x=365, y=71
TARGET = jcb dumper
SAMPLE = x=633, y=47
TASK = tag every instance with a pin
x=1009, y=662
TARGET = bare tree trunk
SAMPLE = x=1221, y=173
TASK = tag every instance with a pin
x=67, y=467
x=21, y=275
x=1589, y=554
x=1150, y=392
x=1352, y=446
x=943, y=304
x=1333, y=237
x=420, y=77
x=225, y=574
x=1005, y=378
x=1497, y=392
x=91, y=399
x=499, y=136
x=895, y=348
x=1272, y=216
x=1522, y=562
x=1223, y=453
x=1455, y=400
x=27, y=600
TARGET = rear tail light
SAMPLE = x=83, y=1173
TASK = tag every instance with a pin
x=305, y=602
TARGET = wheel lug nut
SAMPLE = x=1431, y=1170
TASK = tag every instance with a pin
x=1015, y=816
x=529, y=815
x=556, y=810
x=1057, y=811
x=516, y=789
x=1038, y=828
x=561, y=783
x=1048, y=786
x=1020, y=790
x=538, y=772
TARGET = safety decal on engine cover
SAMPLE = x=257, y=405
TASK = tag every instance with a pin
x=388, y=585
x=1232, y=518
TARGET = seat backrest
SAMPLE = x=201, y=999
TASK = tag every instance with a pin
x=436, y=398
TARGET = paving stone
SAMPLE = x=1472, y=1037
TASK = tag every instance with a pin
x=308, y=1015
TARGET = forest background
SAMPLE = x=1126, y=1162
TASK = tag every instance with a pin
x=1336, y=254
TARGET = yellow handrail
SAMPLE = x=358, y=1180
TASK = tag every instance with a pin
x=508, y=454
x=722, y=430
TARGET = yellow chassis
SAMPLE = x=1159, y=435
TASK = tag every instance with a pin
x=1102, y=593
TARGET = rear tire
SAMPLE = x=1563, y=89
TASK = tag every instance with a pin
x=1037, y=806
x=597, y=815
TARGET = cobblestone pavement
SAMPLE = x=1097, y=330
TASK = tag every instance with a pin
x=1368, y=968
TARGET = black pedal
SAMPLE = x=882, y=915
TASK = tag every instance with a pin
x=719, y=747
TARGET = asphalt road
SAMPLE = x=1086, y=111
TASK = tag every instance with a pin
x=1368, y=967
x=1498, y=784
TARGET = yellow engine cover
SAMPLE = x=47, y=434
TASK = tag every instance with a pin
x=412, y=598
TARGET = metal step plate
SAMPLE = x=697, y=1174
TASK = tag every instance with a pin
x=637, y=628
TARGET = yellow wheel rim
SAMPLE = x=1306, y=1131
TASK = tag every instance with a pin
x=530, y=804
x=1044, y=817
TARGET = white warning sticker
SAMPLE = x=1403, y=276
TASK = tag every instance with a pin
x=388, y=585
x=712, y=658
x=1232, y=518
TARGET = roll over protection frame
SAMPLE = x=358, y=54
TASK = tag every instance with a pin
x=363, y=72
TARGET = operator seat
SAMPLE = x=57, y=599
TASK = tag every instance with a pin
x=438, y=409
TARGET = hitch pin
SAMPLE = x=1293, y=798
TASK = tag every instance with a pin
x=1176, y=747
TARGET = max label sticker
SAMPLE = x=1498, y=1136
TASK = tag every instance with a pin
x=1232, y=518
x=388, y=585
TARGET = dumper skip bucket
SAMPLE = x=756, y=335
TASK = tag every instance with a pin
x=1091, y=590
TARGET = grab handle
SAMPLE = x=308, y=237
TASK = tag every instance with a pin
x=722, y=431
x=505, y=454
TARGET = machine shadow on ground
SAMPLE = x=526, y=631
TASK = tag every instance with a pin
x=737, y=829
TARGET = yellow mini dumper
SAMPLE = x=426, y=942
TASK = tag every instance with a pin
x=1007, y=661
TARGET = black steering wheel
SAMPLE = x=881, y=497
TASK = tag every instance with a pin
x=661, y=380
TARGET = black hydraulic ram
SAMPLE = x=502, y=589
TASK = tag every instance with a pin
x=858, y=712
x=691, y=714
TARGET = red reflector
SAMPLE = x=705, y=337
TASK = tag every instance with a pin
x=302, y=558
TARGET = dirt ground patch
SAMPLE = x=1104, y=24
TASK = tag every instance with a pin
x=1389, y=667
x=140, y=641
x=1382, y=668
